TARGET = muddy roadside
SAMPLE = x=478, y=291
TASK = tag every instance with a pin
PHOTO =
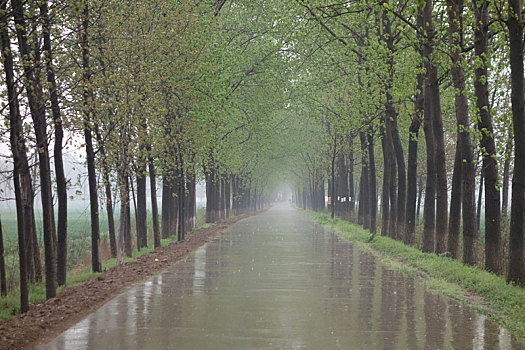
x=47, y=319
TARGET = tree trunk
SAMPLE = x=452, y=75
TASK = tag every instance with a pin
x=96, y=264
x=141, y=214
x=109, y=208
x=454, y=225
x=22, y=256
x=425, y=22
x=401, y=182
x=223, y=199
x=506, y=177
x=212, y=192
x=128, y=247
x=372, y=185
x=341, y=188
x=37, y=108
x=167, y=205
x=393, y=198
x=466, y=169
x=3, y=280
x=227, y=194
x=419, y=199
x=398, y=171
x=363, y=211
x=412, y=163
x=455, y=10
x=480, y=197
x=440, y=158
x=180, y=197
x=192, y=197
x=59, y=134
x=438, y=155
x=32, y=250
x=154, y=206
x=18, y=149
x=493, y=242
x=332, y=177
x=517, y=213
x=351, y=185
x=107, y=188
x=125, y=221
x=386, y=143
x=470, y=232
x=321, y=204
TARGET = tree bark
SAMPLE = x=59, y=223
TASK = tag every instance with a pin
x=167, y=205
x=109, y=208
x=212, y=191
x=342, y=187
x=3, y=280
x=96, y=263
x=517, y=215
x=363, y=211
x=419, y=199
x=412, y=162
x=192, y=196
x=463, y=181
x=480, y=198
x=37, y=109
x=351, y=185
x=18, y=149
x=227, y=194
x=372, y=185
x=454, y=225
x=438, y=217
x=141, y=214
x=332, y=177
x=223, y=198
x=440, y=167
x=108, y=192
x=392, y=231
x=493, y=241
x=59, y=135
x=180, y=197
x=506, y=177
x=454, y=10
x=425, y=22
x=34, y=265
x=386, y=143
x=125, y=220
x=128, y=247
x=154, y=206
x=397, y=180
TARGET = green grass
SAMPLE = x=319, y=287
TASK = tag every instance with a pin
x=208, y=225
x=502, y=302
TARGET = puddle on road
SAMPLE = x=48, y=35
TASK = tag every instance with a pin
x=278, y=281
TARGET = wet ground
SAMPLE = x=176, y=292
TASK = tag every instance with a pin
x=279, y=281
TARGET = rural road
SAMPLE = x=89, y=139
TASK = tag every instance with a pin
x=279, y=281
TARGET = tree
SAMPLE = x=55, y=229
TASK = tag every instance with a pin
x=20, y=167
x=517, y=216
x=37, y=109
x=59, y=136
x=88, y=96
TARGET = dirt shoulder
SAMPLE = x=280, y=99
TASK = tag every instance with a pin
x=45, y=320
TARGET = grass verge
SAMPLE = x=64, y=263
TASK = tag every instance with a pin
x=502, y=302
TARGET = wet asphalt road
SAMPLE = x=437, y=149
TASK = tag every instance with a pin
x=279, y=281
